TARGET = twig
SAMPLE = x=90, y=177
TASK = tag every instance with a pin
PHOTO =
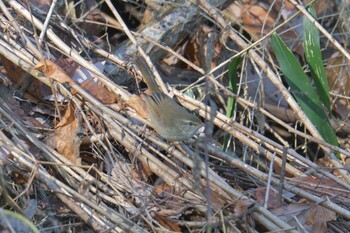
x=47, y=20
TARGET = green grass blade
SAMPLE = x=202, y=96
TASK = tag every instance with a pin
x=21, y=219
x=313, y=57
x=233, y=80
x=302, y=89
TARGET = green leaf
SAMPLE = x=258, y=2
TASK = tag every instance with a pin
x=12, y=217
x=313, y=57
x=233, y=80
x=302, y=89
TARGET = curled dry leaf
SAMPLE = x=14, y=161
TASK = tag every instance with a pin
x=135, y=102
x=53, y=71
x=259, y=20
x=68, y=65
x=92, y=85
x=254, y=17
x=99, y=91
x=146, y=171
x=65, y=139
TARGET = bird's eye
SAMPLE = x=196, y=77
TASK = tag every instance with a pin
x=190, y=123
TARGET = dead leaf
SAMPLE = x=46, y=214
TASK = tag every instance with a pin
x=24, y=81
x=163, y=190
x=288, y=212
x=89, y=12
x=313, y=218
x=34, y=122
x=53, y=71
x=322, y=7
x=68, y=65
x=242, y=207
x=135, y=102
x=319, y=217
x=19, y=178
x=338, y=75
x=92, y=85
x=100, y=92
x=15, y=74
x=65, y=138
x=146, y=171
x=273, y=202
x=167, y=223
x=257, y=21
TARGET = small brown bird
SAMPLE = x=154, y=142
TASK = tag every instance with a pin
x=169, y=119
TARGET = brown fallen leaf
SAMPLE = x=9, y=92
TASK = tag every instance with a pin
x=65, y=139
x=167, y=223
x=322, y=7
x=24, y=81
x=242, y=207
x=99, y=91
x=135, y=102
x=205, y=48
x=273, y=202
x=68, y=65
x=163, y=190
x=15, y=74
x=146, y=171
x=258, y=20
x=319, y=217
x=255, y=19
x=312, y=218
x=53, y=71
x=89, y=13
x=288, y=212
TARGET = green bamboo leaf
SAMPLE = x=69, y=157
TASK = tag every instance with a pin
x=233, y=80
x=313, y=57
x=302, y=89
